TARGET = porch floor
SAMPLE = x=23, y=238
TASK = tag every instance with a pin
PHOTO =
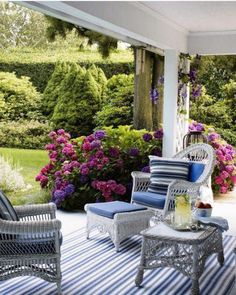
x=224, y=205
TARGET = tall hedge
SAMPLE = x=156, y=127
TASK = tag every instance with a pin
x=40, y=73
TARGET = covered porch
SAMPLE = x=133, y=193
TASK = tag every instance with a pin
x=166, y=28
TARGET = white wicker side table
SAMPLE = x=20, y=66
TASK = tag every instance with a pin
x=121, y=226
x=185, y=251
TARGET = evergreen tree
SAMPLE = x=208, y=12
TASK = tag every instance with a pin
x=78, y=101
x=64, y=114
x=52, y=91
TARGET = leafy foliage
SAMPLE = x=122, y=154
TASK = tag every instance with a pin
x=18, y=98
x=58, y=27
x=118, y=109
x=20, y=26
x=24, y=134
x=215, y=72
x=211, y=112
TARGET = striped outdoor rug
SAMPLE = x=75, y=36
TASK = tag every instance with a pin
x=94, y=268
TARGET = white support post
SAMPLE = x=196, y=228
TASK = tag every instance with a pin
x=170, y=102
x=186, y=106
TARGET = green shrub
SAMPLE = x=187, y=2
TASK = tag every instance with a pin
x=228, y=134
x=118, y=108
x=208, y=111
x=18, y=98
x=24, y=134
x=80, y=97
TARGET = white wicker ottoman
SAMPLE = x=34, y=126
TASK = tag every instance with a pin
x=119, y=219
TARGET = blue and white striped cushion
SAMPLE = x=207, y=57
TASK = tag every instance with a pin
x=164, y=171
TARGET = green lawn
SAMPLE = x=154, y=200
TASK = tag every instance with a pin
x=30, y=162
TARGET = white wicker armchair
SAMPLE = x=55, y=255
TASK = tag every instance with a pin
x=31, y=246
x=200, y=152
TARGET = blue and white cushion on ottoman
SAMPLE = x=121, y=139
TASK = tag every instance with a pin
x=120, y=219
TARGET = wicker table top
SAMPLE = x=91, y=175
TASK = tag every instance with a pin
x=163, y=231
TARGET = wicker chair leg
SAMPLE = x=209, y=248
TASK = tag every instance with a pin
x=59, y=288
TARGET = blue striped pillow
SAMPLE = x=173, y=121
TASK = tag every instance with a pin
x=164, y=171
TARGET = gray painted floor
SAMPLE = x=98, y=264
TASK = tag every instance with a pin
x=73, y=220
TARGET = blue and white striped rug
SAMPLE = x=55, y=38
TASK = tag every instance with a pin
x=94, y=268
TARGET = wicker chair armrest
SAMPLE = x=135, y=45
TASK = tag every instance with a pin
x=29, y=227
x=184, y=184
x=34, y=210
x=141, y=181
x=140, y=175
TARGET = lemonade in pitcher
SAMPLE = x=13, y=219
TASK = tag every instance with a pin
x=183, y=216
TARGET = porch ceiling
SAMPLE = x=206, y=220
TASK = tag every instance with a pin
x=195, y=27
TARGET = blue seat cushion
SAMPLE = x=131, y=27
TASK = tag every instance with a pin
x=109, y=209
x=195, y=171
x=7, y=212
x=150, y=199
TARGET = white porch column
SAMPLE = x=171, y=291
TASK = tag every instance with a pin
x=170, y=102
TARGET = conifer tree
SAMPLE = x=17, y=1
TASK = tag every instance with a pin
x=52, y=91
x=79, y=100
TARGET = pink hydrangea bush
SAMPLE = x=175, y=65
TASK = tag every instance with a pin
x=96, y=167
x=224, y=174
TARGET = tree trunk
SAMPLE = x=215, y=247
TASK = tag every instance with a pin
x=143, y=80
x=157, y=109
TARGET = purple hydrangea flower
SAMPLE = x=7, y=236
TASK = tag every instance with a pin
x=154, y=95
x=95, y=144
x=134, y=152
x=84, y=179
x=147, y=137
x=99, y=134
x=60, y=131
x=114, y=152
x=59, y=194
x=158, y=134
x=213, y=136
x=69, y=189
x=146, y=169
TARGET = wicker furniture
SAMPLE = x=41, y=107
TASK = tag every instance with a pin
x=121, y=226
x=200, y=153
x=31, y=246
x=184, y=251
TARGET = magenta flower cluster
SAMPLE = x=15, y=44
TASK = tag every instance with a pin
x=224, y=174
x=98, y=165
x=109, y=187
x=63, y=162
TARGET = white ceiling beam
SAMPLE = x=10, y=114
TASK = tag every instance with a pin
x=212, y=43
